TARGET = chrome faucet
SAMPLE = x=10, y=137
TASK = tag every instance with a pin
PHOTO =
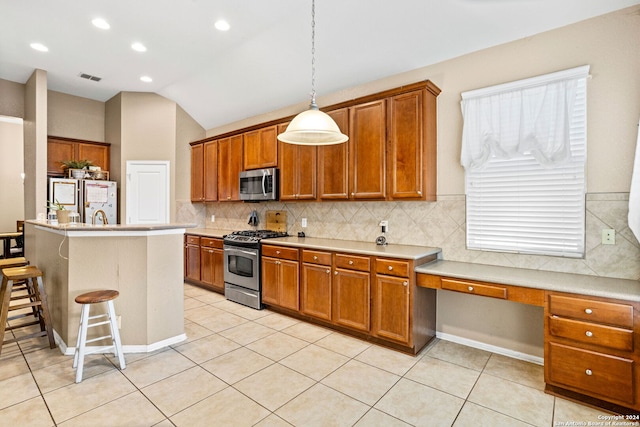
x=103, y=216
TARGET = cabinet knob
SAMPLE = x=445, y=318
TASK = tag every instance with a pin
x=315, y=257
x=589, y=333
x=470, y=288
x=588, y=310
x=588, y=372
x=390, y=268
x=353, y=194
x=350, y=262
x=405, y=283
x=335, y=272
x=419, y=193
x=329, y=271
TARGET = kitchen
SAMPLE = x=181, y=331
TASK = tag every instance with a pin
x=440, y=223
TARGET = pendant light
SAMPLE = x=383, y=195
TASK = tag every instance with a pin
x=313, y=127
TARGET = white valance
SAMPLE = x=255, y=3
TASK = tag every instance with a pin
x=531, y=116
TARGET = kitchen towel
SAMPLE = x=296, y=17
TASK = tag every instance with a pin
x=634, y=193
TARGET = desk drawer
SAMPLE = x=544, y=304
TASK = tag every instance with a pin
x=316, y=257
x=280, y=252
x=474, y=288
x=392, y=267
x=608, y=377
x=591, y=333
x=353, y=262
x=592, y=310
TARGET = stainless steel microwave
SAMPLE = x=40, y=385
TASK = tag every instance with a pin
x=259, y=184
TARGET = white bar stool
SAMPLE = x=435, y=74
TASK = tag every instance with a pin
x=86, y=300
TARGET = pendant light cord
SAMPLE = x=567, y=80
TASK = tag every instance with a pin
x=313, y=54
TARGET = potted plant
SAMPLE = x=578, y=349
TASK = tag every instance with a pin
x=77, y=167
x=62, y=212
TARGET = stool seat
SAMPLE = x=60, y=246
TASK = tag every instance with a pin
x=21, y=273
x=13, y=262
x=97, y=296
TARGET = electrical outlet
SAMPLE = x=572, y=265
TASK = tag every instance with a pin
x=213, y=218
x=304, y=222
x=608, y=236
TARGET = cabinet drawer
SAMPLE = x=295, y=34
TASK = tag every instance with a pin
x=280, y=252
x=607, y=377
x=353, y=262
x=474, y=288
x=192, y=240
x=211, y=242
x=392, y=267
x=592, y=333
x=316, y=257
x=592, y=310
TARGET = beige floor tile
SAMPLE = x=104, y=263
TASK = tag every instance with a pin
x=274, y=386
x=228, y=407
x=206, y=348
x=459, y=354
x=63, y=374
x=343, y=344
x=361, y=381
x=194, y=331
x=389, y=360
x=321, y=406
x=75, y=399
x=164, y=423
x=566, y=411
x=17, y=389
x=210, y=298
x=241, y=310
x=155, y=368
x=307, y=331
x=247, y=333
x=132, y=410
x=315, y=362
x=202, y=313
x=375, y=418
x=418, y=404
x=30, y=413
x=521, y=402
x=9, y=350
x=478, y=416
x=190, y=303
x=273, y=421
x=277, y=321
x=182, y=390
x=194, y=291
x=515, y=370
x=444, y=376
x=46, y=357
x=237, y=365
x=13, y=366
x=277, y=346
x=222, y=320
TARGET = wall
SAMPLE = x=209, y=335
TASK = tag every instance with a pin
x=12, y=99
x=75, y=117
x=609, y=44
x=11, y=166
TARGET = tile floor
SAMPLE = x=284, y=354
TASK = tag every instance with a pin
x=243, y=367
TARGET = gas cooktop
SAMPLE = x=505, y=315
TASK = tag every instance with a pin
x=250, y=236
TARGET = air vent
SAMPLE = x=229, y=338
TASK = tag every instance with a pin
x=90, y=77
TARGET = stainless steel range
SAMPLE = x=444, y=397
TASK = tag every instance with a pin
x=242, y=271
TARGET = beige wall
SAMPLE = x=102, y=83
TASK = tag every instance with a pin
x=11, y=166
x=12, y=99
x=75, y=117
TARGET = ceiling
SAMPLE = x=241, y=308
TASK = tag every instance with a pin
x=263, y=63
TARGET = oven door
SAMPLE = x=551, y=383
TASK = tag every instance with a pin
x=242, y=267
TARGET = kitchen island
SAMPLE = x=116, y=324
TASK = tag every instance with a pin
x=142, y=262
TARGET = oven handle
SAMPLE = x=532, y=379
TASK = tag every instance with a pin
x=264, y=182
x=235, y=250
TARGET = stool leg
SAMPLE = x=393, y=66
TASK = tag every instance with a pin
x=76, y=352
x=45, y=317
x=83, y=341
x=115, y=335
x=5, y=299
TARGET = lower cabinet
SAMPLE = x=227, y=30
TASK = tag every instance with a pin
x=280, y=277
x=192, y=258
x=316, y=292
x=392, y=308
x=204, y=262
x=351, y=292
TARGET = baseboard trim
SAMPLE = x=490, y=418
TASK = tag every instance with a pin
x=70, y=351
x=491, y=348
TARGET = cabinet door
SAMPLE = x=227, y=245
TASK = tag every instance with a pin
x=270, y=281
x=405, y=165
x=392, y=308
x=229, y=167
x=289, y=284
x=351, y=301
x=57, y=152
x=197, y=173
x=316, y=291
x=210, y=171
x=218, y=269
x=206, y=265
x=192, y=262
x=333, y=163
x=97, y=154
x=367, y=156
x=298, y=170
x=261, y=148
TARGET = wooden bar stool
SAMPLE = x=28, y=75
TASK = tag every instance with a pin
x=87, y=299
x=31, y=277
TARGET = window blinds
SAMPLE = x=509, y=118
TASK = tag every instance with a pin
x=517, y=204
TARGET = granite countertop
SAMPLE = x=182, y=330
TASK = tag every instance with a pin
x=109, y=227
x=209, y=232
x=606, y=287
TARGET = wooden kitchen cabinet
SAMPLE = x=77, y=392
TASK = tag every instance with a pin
x=204, y=172
x=212, y=263
x=261, y=148
x=298, y=170
x=392, y=308
x=333, y=162
x=192, y=258
x=229, y=167
x=197, y=173
x=367, y=150
x=351, y=292
x=60, y=149
x=280, y=277
x=316, y=289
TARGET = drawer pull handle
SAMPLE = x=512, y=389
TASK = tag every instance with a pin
x=470, y=288
x=588, y=311
x=390, y=268
x=405, y=283
x=350, y=262
x=335, y=272
x=588, y=372
x=589, y=333
x=329, y=271
x=315, y=257
x=278, y=252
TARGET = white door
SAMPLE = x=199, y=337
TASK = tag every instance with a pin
x=147, y=192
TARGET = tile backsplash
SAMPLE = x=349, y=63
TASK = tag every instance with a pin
x=440, y=224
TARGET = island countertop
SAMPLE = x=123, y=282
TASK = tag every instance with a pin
x=82, y=227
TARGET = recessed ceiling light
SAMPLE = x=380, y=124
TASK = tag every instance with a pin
x=139, y=47
x=222, y=25
x=146, y=79
x=40, y=47
x=101, y=23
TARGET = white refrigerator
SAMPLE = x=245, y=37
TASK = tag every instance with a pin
x=86, y=196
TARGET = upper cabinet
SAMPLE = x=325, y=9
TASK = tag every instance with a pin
x=61, y=149
x=298, y=171
x=333, y=163
x=261, y=148
x=197, y=173
x=204, y=172
x=229, y=167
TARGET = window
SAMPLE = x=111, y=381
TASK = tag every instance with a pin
x=524, y=153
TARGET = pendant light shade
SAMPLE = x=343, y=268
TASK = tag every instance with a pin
x=313, y=127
